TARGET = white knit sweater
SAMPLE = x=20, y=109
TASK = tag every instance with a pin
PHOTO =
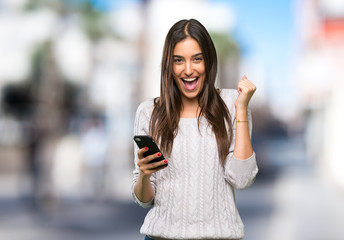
x=194, y=195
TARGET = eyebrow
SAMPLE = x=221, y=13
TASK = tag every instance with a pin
x=195, y=55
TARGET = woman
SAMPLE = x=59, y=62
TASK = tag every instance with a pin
x=204, y=133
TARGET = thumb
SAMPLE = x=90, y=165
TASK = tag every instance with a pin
x=244, y=77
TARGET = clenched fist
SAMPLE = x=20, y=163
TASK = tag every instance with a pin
x=246, y=90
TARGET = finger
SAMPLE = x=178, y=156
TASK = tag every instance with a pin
x=141, y=151
x=245, y=80
x=158, y=165
x=148, y=159
x=154, y=167
x=158, y=168
x=242, y=87
x=246, y=88
x=248, y=82
x=246, y=85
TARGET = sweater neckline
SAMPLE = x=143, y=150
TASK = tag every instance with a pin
x=191, y=119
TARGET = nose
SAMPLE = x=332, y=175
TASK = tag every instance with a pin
x=188, y=69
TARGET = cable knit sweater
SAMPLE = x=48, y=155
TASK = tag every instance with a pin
x=194, y=196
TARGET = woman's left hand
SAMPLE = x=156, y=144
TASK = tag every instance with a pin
x=246, y=90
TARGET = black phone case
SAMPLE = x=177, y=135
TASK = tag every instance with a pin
x=147, y=141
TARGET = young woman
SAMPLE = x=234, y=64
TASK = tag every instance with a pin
x=204, y=134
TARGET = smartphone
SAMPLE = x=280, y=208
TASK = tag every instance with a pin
x=147, y=141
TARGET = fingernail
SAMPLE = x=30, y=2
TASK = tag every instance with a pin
x=146, y=148
x=165, y=161
x=159, y=154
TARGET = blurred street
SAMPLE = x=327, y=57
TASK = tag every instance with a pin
x=73, y=73
x=290, y=201
x=287, y=201
x=78, y=220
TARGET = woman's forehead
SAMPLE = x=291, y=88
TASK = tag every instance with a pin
x=187, y=46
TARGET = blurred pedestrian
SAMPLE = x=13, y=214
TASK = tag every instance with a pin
x=204, y=133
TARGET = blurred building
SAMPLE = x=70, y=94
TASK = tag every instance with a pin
x=64, y=62
x=320, y=75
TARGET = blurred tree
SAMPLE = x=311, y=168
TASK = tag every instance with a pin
x=45, y=85
x=228, y=54
x=93, y=22
x=43, y=104
x=50, y=90
x=142, y=51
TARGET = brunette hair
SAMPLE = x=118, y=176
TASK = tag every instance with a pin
x=166, y=113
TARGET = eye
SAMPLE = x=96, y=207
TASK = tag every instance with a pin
x=178, y=60
x=198, y=59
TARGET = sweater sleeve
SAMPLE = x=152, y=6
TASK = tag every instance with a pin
x=141, y=127
x=239, y=173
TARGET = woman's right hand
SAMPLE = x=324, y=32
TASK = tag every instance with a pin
x=147, y=168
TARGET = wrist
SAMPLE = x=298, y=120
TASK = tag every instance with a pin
x=241, y=110
x=144, y=177
x=241, y=114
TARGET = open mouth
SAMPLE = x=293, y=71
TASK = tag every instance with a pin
x=190, y=84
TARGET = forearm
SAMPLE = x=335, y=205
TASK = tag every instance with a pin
x=143, y=189
x=243, y=146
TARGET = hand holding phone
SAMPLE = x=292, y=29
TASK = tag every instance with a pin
x=143, y=141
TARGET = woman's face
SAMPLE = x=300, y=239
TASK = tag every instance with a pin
x=188, y=68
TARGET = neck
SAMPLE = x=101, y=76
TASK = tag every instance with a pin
x=190, y=108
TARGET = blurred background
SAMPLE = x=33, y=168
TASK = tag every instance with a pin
x=72, y=73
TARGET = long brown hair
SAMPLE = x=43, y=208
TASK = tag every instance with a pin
x=166, y=113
